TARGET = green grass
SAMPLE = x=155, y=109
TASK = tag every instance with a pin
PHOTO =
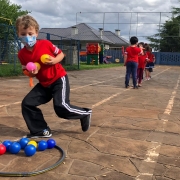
x=84, y=66
x=8, y=70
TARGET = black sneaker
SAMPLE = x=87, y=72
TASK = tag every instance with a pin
x=46, y=133
x=85, y=122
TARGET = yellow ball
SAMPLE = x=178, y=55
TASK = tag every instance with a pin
x=34, y=143
x=44, y=58
x=38, y=65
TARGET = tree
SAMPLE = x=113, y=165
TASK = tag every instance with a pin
x=8, y=15
x=10, y=11
x=168, y=37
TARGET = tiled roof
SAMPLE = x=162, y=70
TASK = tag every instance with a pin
x=85, y=33
x=114, y=38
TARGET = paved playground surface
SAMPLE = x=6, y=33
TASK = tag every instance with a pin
x=134, y=134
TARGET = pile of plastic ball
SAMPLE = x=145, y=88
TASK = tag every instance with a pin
x=30, y=147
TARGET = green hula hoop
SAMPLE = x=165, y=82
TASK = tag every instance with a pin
x=34, y=173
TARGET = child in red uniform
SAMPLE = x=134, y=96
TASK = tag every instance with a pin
x=150, y=63
x=53, y=81
x=131, y=61
x=141, y=64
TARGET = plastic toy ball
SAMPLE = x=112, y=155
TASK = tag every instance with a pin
x=23, y=142
x=38, y=65
x=44, y=58
x=14, y=148
x=2, y=149
x=42, y=145
x=51, y=143
x=34, y=143
x=30, y=66
x=30, y=150
x=7, y=143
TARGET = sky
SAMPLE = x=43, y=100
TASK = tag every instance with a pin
x=132, y=18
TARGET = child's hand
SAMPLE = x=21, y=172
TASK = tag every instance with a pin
x=34, y=72
x=50, y=61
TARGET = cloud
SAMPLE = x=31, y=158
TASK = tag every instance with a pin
x=130, y=19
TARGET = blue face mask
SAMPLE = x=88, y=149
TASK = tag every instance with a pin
x=28, y=41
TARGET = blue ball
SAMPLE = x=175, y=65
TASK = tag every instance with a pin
x=7, y=143
x=42, y=145
x=23, y=142
x=51, y=143
x=14, y=148
x=30, y=150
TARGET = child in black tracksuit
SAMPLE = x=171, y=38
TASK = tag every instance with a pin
x=53, y=81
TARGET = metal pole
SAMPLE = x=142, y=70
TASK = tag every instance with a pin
x=118, y=21
x=76, y=18
x=130, y=26
x=103, y=20
x=137, y=24
x=78, y=53
x=159, y=31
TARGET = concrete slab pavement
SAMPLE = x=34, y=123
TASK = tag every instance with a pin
x=134, y=133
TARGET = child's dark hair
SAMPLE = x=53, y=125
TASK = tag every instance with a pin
x=133, y=40
x=141, y=43
x=147, y=47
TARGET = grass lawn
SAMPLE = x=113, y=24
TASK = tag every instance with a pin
x=8, y=70
x=84, y=66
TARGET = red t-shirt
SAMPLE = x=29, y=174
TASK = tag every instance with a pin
x=47, y=73
x=132, y=53
x=151, y=56
x=142, y=60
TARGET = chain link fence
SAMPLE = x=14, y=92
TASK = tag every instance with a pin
x=163, y=27
x=104, y=28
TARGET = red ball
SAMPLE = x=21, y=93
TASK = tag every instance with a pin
x=2, y=149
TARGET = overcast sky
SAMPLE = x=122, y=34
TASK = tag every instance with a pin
x=62, y=14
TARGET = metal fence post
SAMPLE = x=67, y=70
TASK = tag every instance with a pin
x=48, y=36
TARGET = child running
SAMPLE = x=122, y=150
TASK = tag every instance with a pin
x=53, y=81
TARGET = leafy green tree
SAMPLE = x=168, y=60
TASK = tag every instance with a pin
x=8, y=15
x=10, y=11
x=168, y=37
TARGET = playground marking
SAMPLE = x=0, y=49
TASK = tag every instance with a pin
x=107, y=99
x=97, y=104
x=95, y=83
x=148, y=165
x=71, y=90
x=161, y=72
x=10, y=104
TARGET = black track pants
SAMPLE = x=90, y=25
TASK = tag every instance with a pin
x=58, y=91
